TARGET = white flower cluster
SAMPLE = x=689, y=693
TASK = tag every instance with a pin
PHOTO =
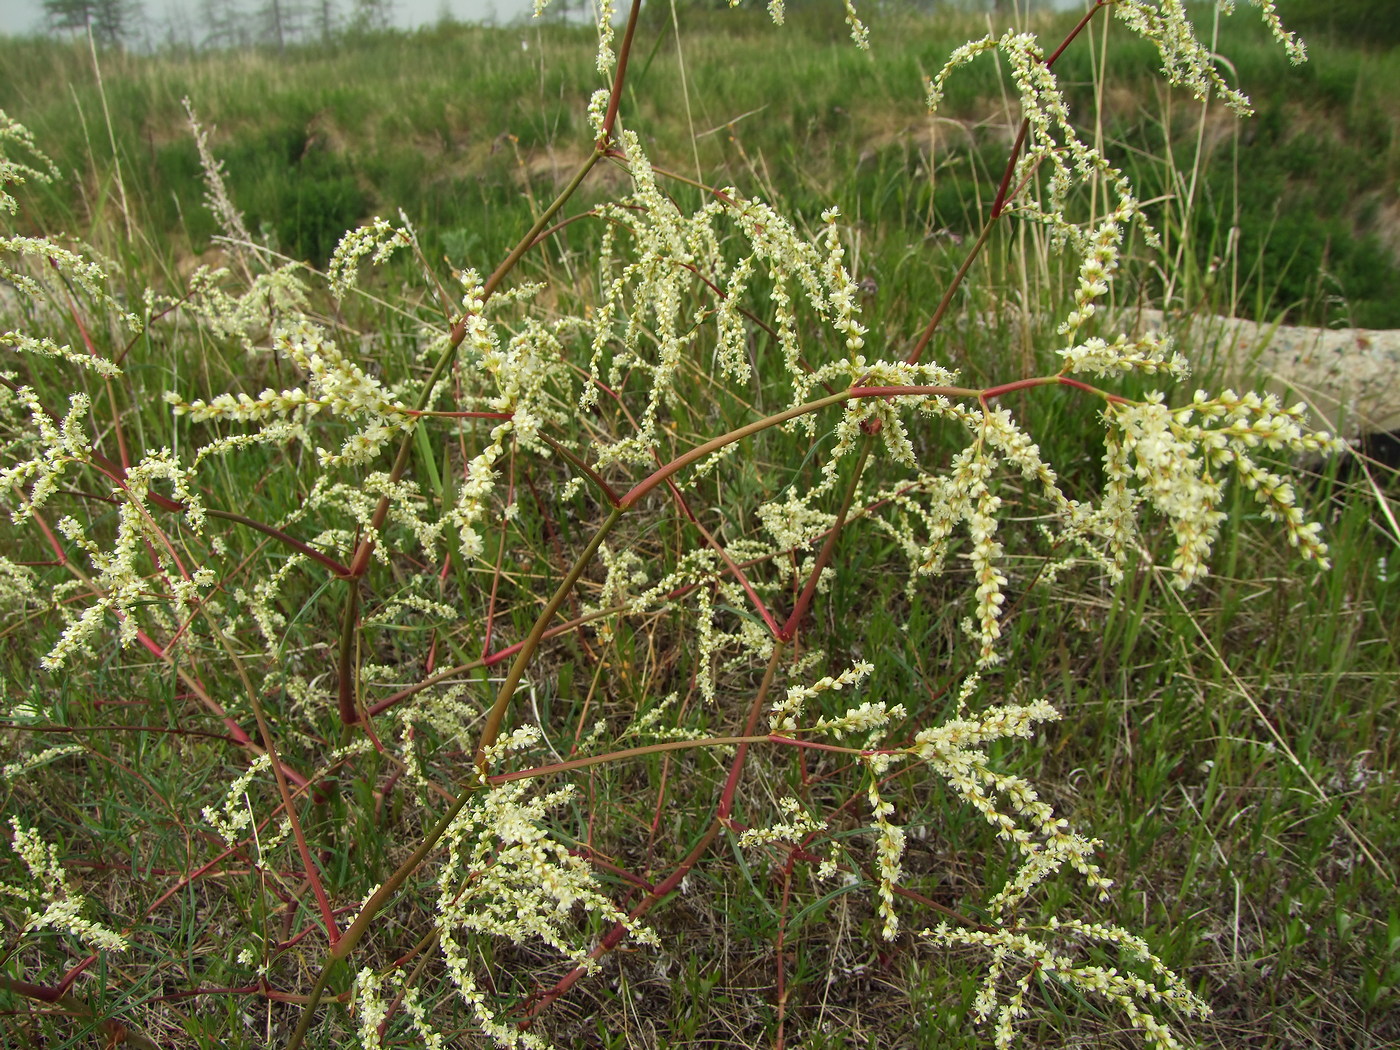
x=476, y=490
x=701, y=573
x=882, y=412
x=57, y=263
x=520, y=739
x=785, y=714
x=392, y=612
x=647, y=725
x=379, y=240
x=719, y=648
x=51, y=448
x=1174, y=458
x=777, y=10
x=121, y=586
x=1100, y=261
x=407, y=508
x=1055, y=151
x=371, y=1007
x=267, y=300
x=45, y=347
x=598, y=110
x=14, y=172
x=521, y=371
x=49, y=888
x=870, y=717
x=1018, y=956
x=235, y=816
x=647, y=320
x=889, y=846
x=261, y=603
x=14, y=770
x=504, y=876
x=335, y=385
x=1149, y=354
x=955, y=751
x=606, y=59
x=707, y=642
x=1176, y=461
x=43, y=262
x=216, y=197
x=624, y=572
x=1052, y=143
x=1188, y=63
x=791, y=831
x=963, y=495
x=793, y=521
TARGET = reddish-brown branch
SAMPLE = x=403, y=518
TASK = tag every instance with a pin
x=624, y=53
x=667, y=886
x=1003, y=197
x=804, y=600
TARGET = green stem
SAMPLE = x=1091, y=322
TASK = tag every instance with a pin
x=459, y=332
x=278, y=535
x=669, y=885
x=115, y=1031
x=496, y=715
x=699, y=452
x=1003, y=197
x=357, y=929
x=583, y=468
x=804, y=600
x=495, y=658
x=624, y=54
x=313, y=877
x=359, y=564
x=632, y=752
x=345, y=666
x=952, y=290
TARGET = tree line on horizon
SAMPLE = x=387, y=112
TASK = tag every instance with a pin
x=238, y=24
x=217, y=23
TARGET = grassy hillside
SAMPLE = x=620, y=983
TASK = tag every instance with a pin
x=1232, y=745
x=1296, y=212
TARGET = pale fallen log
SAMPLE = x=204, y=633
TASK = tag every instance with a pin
x=1349, y=377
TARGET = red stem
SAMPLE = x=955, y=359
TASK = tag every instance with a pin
x=804, y=600
x=1003, y=197
x=624, y=52
x=666, y=887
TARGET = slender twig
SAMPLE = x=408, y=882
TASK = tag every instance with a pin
x=1003, y=198
x=359, y=564
x=282, y=538
x=671, y=883
x=917, y=352
x=116, y=1032
x=636, y=752
x=738, y=574
x=496, y=715
x=345, y=654
x=804, y=600
x=624, y=54
x=579, y=465
x=279, y=775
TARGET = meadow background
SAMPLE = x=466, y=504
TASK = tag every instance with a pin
x=1267, y=879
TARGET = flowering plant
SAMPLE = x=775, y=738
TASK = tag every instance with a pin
x=590, y=388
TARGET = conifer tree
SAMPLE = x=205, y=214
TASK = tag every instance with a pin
x=111, y=21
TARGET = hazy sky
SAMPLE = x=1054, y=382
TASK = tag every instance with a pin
x=23, y=16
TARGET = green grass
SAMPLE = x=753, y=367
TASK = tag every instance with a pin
x=478, y=113
x=1232, y=746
